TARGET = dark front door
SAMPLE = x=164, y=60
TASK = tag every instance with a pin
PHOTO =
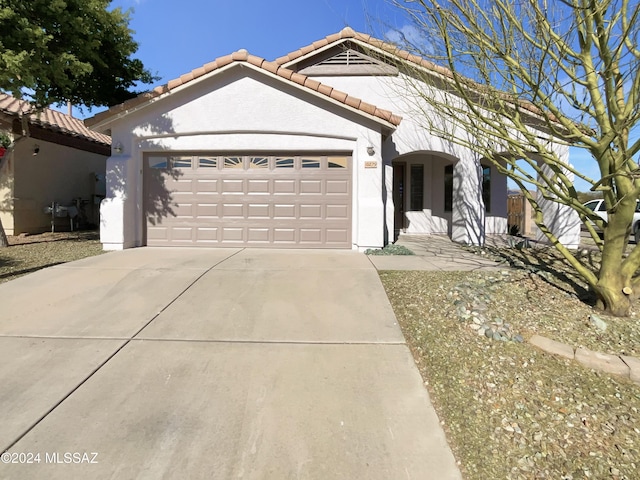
x=398, y=198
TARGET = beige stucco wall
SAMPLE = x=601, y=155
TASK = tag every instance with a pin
x=57, y=174
x=6, y=192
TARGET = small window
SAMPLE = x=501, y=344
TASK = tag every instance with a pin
x=233, y=162
x=448, y=188
x=258, y=162
x=486, y=187
x=338, y=162
x=158, y=162
x=207, y=162
x=310, y=162
x=284, y=162
x=181, y=162
x=416, y=201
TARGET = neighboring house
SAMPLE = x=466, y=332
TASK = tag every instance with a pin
x=315, y=149
x=54, y=158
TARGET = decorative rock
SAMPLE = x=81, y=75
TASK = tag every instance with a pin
x=598, y=322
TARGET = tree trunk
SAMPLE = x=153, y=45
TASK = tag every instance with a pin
x=4, y=242
x=609, y=289
x=613, y=300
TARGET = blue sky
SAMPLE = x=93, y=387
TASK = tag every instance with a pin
x=177, y=36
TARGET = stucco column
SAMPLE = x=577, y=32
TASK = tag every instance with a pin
x=467, y=216
x=369, y=167
x=561, y=219
x=113, y=208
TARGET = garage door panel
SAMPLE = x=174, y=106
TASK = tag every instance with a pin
x=284, y=211
x=259, y=210
x=337, y=186
x=207, y=234
x=284, y=186
x=310, y=186
x=233, y=186
x=245, y=205
x=233, y=210
x=183, y=210
x=258, y=186
x=337, y=211
x=310, y=235
x=311, y=211
x=258, y=235
x=209, y=210
x=182, y=234
x=233, y=234
x=207, y=186
x=337, y=236
x=284, y=235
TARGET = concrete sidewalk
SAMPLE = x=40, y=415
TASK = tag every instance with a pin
x=221, y=363
x=433, y=253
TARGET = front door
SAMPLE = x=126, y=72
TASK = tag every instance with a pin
x=398, y=198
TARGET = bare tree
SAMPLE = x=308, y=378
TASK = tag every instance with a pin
x=569, y=69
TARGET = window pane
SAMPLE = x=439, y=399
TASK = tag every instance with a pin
x=417, y=188
x=207, y=162
x=338, y=162
x=258, y=162
x=233, y=162
x=448, y=188
x=181, y=162
x=310, y=162
x=158, y=162
x=486, y=187
x=284, y=162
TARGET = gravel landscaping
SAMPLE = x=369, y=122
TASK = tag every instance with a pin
x=28, y=253
x=510, y=410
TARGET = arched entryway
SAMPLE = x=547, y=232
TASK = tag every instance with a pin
x=423, y=193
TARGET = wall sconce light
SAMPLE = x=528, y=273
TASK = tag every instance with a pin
x=371, y=151
x=118, y=148
x=36, y=149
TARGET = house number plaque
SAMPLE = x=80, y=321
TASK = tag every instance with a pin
x=370, y=164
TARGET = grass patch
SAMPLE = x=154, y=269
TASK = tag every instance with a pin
x=510, y=410
x=389, y=249
x=34, y=252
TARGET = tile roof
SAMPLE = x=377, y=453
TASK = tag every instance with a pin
x=391, y=49
x=51, y=120
x=349, y=33
x=271, y=67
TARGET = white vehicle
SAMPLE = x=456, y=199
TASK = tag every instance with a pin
x=599, y=208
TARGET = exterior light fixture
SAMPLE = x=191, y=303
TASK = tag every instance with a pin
x=118, y=148
x=371, y=151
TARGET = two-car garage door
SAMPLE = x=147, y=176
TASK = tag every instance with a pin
x=287, y=201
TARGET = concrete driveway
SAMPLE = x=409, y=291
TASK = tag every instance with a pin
x=211, y=363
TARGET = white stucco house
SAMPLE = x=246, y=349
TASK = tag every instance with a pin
x=315, y=149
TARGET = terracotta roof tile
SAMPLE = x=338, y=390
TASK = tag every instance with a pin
x=51, y=120
x=338, y=95
x=271, y=67
x=353, y=102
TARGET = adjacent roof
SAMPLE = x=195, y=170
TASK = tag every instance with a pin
x=51, y=120
x=240, y=57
